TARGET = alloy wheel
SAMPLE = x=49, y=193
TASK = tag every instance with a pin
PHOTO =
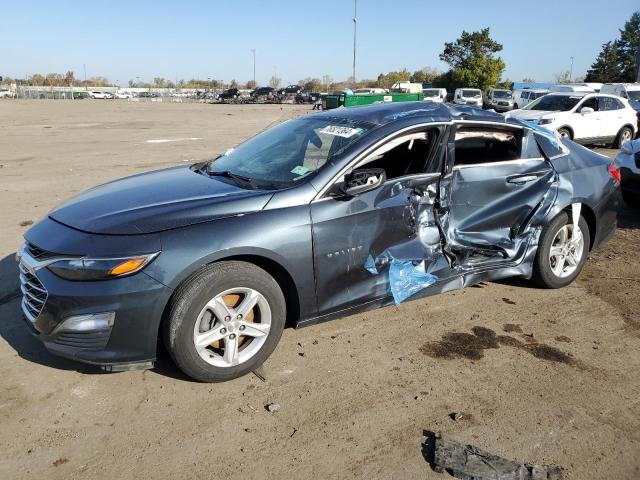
x=232, y=327
x=625, y=136
x=566, y=251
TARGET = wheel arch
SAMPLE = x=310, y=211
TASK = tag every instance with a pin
x=274, y=268
x=567, y=127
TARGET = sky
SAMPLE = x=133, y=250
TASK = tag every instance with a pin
x=295, y=39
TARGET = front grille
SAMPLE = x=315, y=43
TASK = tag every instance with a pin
x=38, y=253
x=33, y=294
x=505, y=104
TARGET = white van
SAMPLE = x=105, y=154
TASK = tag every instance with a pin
x=406, y=87
x=522, y=98
x=468, y=96
x=572, y=88
x=437, y=95
x=630, y=91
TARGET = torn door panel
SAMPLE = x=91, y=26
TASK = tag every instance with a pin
x=491, y=214
x=416, y=262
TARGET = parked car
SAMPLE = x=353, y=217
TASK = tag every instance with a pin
x=291, y=89
x=229, y=94
x=319, y=217
x=307, y=97
x=630, y=91
x=121, y=94
x=263, y=92
x=147, y=95
x=437, y=95
x=628, y=160
x=99, y=94
x=574, y=88
x=6, y=93
x=498, y=99
x=522, y=98
x=468, y=96
x=586, y=118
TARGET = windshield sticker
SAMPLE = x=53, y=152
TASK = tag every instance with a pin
x=300, y=170
x=338, y=131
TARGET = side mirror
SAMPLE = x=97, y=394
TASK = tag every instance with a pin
x=585, y=110
x=363, y=180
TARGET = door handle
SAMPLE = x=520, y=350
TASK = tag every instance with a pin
x=522, y=179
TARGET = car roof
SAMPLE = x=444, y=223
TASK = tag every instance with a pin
x=386, y=113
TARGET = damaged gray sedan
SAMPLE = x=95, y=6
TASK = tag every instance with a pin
x=317, y=218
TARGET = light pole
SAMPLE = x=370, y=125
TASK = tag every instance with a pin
x=355, y=24
x=84, y=66
x=571, y=71
x=253, y=50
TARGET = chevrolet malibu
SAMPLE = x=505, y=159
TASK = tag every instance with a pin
x=317, y=218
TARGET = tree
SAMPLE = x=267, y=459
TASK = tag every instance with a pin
x=327, y=80
x=386, y=81
x=606, y=68
x=311, y=84
x=472, y=61
x=36, y=79
x=275, y=82
x=233, y=84
x=562, y=77
x=252, y=85
x=425, y=75
x=69, y=78
x=627, y=47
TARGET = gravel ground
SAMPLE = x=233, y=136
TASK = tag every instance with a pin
x=544, y=376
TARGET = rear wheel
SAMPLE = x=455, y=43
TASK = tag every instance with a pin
x=224, y=321
x=565, y=133
x=562, y=252
x=624, y=135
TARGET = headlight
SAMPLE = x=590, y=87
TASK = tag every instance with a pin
x=100, y=268
x=545, y=121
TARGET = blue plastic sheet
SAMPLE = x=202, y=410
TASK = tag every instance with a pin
x=407, y=279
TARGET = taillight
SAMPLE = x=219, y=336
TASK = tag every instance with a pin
x=614, y=171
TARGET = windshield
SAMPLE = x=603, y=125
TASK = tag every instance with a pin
x=284, y=155
x=501, y=94
x=634, y=95
x=554, y=103
x=470, y=93
x=431, y=93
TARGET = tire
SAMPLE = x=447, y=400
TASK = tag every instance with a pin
x=624, y=135
x=565, y=132
x=543, y=273
x=189, y=317
x=515, y=106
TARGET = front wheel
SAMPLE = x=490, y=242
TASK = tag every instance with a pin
x=224, y=321
x=562, y=252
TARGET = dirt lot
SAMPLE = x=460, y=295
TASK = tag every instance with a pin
x=540, y=376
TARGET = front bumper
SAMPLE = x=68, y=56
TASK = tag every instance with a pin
x=137, y=301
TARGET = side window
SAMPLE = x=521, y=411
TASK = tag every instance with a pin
x=475, y=146
x=589, y=102
x=406, y=155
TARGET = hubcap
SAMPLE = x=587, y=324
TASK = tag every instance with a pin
x=566, y=251
x=232, y=327
x=626, y=136
x=564, y=134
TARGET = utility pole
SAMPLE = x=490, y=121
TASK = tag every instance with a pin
x=571, y=71
x=253, y=50
x=355, y=24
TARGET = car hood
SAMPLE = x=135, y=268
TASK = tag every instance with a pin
x=155, y=201
x=530, y=114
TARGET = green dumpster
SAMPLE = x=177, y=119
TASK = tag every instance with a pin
x=341, y=99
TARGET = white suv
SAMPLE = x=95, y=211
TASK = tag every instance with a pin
x=586, y=118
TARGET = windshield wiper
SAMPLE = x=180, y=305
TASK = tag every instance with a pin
x=233, y=176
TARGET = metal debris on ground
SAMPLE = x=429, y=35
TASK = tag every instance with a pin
x=272, y=407
x=467, y=462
